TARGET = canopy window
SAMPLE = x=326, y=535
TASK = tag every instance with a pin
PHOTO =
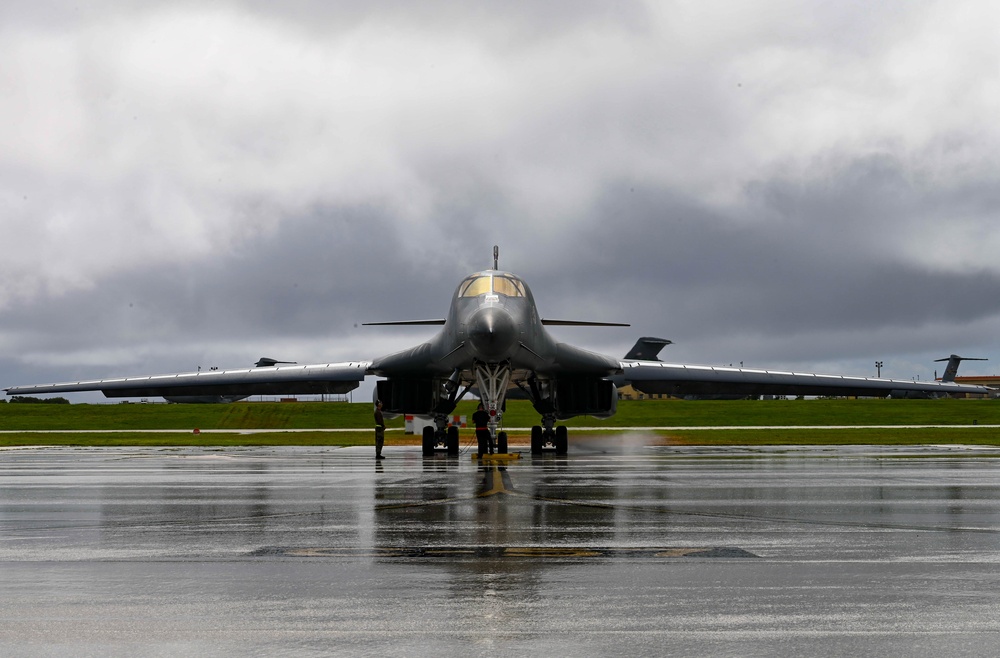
x=504, y=285
x=475, y=286
x=484, y=285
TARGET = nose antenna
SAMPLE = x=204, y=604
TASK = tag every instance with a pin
x=496, y=256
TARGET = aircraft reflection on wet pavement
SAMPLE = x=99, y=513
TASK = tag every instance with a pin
x=886, y=550
x=490, y=517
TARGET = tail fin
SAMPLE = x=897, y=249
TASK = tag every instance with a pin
x=952, y=368
x=647, y=348
x=265, y=362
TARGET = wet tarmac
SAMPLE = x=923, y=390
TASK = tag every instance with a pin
x=617, y=549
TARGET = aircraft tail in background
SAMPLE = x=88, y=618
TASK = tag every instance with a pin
x=952, y=368
x=647, y=348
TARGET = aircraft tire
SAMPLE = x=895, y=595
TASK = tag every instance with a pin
x=453, y=441
x=502, y=442
x=562, y=440
x=428, y=441
x=536, y=440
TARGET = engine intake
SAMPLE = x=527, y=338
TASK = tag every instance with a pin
x=585, y=397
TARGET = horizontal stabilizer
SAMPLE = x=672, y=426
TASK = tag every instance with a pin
x=403, y=322
x=581, y=323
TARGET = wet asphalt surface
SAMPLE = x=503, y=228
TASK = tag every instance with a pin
x=617, y=549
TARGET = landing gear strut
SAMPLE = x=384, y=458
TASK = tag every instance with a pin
x=492, y=379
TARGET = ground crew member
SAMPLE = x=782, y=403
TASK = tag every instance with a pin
x=379, y=430
x=483, y=434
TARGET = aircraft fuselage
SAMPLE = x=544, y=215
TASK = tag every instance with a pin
x=494, y=338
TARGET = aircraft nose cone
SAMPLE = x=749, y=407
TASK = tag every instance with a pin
x=492, y=334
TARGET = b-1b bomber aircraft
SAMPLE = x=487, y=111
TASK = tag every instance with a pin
x=493, y=340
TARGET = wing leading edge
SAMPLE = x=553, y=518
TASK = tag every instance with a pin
x=277, y=380
x=656, y=377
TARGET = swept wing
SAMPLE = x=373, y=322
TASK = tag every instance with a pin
x=274, y=380
x=657, y=377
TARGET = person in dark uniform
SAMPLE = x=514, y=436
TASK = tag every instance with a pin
x=483, y=435
x=379, y=430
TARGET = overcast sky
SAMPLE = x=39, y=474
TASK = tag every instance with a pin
x=807, y=185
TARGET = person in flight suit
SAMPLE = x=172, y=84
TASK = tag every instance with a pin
x=379, y=430
x=483, y=435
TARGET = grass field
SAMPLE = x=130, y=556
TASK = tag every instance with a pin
x=965, y=421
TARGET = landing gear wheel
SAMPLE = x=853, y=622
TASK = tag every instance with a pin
x=428, y=441
x=502, y=442
x=452, y=441
x=562, y=440
x=536, y=440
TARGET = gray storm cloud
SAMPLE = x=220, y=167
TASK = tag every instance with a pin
x=789, y=184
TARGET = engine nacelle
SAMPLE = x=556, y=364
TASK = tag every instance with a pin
x=406, y=396
x=585, y=397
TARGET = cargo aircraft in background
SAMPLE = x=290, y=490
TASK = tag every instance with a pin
x=494, y=340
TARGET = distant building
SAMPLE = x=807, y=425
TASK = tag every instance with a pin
x=991, y=381
x=629, y=393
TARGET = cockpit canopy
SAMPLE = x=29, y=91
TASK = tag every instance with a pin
x=493, y=283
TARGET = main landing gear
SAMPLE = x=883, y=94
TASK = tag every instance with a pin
x=549, y=439
x=446, y=440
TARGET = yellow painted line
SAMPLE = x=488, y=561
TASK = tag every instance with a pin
x=542, y=552
x=496, y=486
x=678, y=552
